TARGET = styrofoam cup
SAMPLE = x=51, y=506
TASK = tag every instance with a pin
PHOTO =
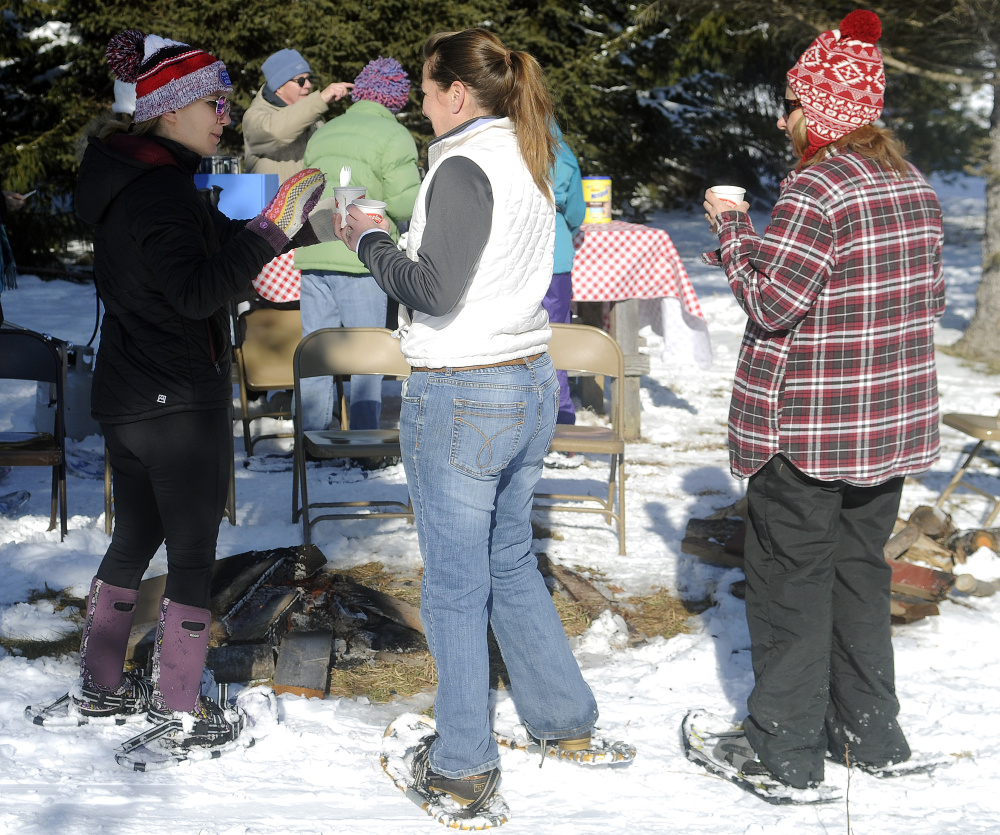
x=730, y=195
x=375, y=209
x=343, y=196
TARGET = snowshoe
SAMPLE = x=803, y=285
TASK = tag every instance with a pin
x=91, y=704
x=919, y=764
x=592, y=749
x=719, y=746
x=469, y=804
x=176, y=736
x=589, y=749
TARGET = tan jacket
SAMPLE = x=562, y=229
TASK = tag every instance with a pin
x=274, y=138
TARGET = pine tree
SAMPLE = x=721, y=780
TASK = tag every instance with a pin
x=665, y=99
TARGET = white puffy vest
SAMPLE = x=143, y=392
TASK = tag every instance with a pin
x=501, y=316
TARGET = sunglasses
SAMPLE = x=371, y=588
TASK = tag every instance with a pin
x=221, y=106
x=791, y=105
x=301, y=81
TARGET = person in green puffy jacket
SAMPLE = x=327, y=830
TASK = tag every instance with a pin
x=337, y=289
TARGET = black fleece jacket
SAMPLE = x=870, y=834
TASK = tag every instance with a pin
x=166, y=265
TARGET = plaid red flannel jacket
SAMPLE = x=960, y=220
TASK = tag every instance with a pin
x=836, y=370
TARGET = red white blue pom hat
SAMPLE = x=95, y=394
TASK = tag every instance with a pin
x=840, y=80
x=168, y=75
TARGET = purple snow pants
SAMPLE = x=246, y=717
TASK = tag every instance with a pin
x=556, y=303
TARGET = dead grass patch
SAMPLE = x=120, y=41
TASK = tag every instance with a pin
x=32, y=649
x=660, y=613
x=383, y=680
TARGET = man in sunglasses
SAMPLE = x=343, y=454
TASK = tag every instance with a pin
x=285, y=112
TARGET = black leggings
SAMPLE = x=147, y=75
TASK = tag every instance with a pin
x=171, y=478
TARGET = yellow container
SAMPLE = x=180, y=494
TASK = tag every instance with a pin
x=597, y=196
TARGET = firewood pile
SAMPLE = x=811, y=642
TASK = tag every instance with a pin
x=281, y=616
x=924, y=552
x=284, y=617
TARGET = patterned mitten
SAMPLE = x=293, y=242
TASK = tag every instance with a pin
x=318, y=227
x=286, y=213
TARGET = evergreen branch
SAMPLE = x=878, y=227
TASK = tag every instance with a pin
x=985, y=77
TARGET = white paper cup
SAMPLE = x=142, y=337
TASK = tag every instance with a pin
x=375, y=209
x=730, y=195
x=343, y=196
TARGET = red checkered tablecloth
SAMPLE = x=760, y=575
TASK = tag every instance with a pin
x=619, y=260
x=279, y=281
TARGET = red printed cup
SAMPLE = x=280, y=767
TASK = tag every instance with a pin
x=730, y=195
x=375, y=209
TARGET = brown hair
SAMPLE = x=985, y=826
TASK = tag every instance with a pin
x=115, y=123
x=504, y=83
x=878, y=144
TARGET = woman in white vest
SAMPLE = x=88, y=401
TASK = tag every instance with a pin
x=479, y=408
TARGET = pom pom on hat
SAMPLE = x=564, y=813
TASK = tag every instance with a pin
x=384, y=81
x=125, y=53
x=168, y=75
x=840, y=80
x=861, y=25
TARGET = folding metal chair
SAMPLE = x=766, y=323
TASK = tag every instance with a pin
x=342, y=352
x=585, y=351
x=984, y=428
x=265, y=339
x=26, y=355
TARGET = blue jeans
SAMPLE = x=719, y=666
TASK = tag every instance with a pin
x=472, y=447
x=334, y=300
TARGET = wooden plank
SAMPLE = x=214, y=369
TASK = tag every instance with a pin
x=261, y=619
x=241, y=663
x=711, y=552
x=906, y=611
x=303, y=666
x=625, y=329
x=919, y=581
x=387, y=605
x=580, y=590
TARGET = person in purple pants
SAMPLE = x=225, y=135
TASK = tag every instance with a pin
x=570, y=211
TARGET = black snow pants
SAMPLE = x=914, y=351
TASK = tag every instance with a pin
x=817, y=603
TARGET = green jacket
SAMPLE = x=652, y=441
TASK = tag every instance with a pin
x=383, y=158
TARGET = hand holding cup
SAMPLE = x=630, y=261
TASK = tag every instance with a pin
x=361, y=219
x=724, y=199
x=344, y=195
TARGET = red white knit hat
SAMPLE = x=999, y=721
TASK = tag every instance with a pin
x=840, y=80
x=167, y=75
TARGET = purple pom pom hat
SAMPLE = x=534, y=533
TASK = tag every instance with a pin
x=384, y=81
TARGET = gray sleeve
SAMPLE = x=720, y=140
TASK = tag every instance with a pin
x=459, y=209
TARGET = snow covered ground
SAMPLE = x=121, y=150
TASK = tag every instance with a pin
x=318, y=771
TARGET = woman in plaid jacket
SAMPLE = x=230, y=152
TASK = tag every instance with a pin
x=835, y=402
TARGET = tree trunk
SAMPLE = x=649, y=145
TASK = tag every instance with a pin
x=982, y=338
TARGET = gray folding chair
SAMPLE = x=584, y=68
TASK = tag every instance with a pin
x=984, y=428
x=585, y=351
x=342, y=352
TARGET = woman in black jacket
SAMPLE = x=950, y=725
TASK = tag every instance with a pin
x=166, y=265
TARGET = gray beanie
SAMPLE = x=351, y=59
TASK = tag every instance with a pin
x=282, y=67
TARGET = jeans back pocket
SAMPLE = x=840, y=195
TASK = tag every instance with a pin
x=485, y=437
